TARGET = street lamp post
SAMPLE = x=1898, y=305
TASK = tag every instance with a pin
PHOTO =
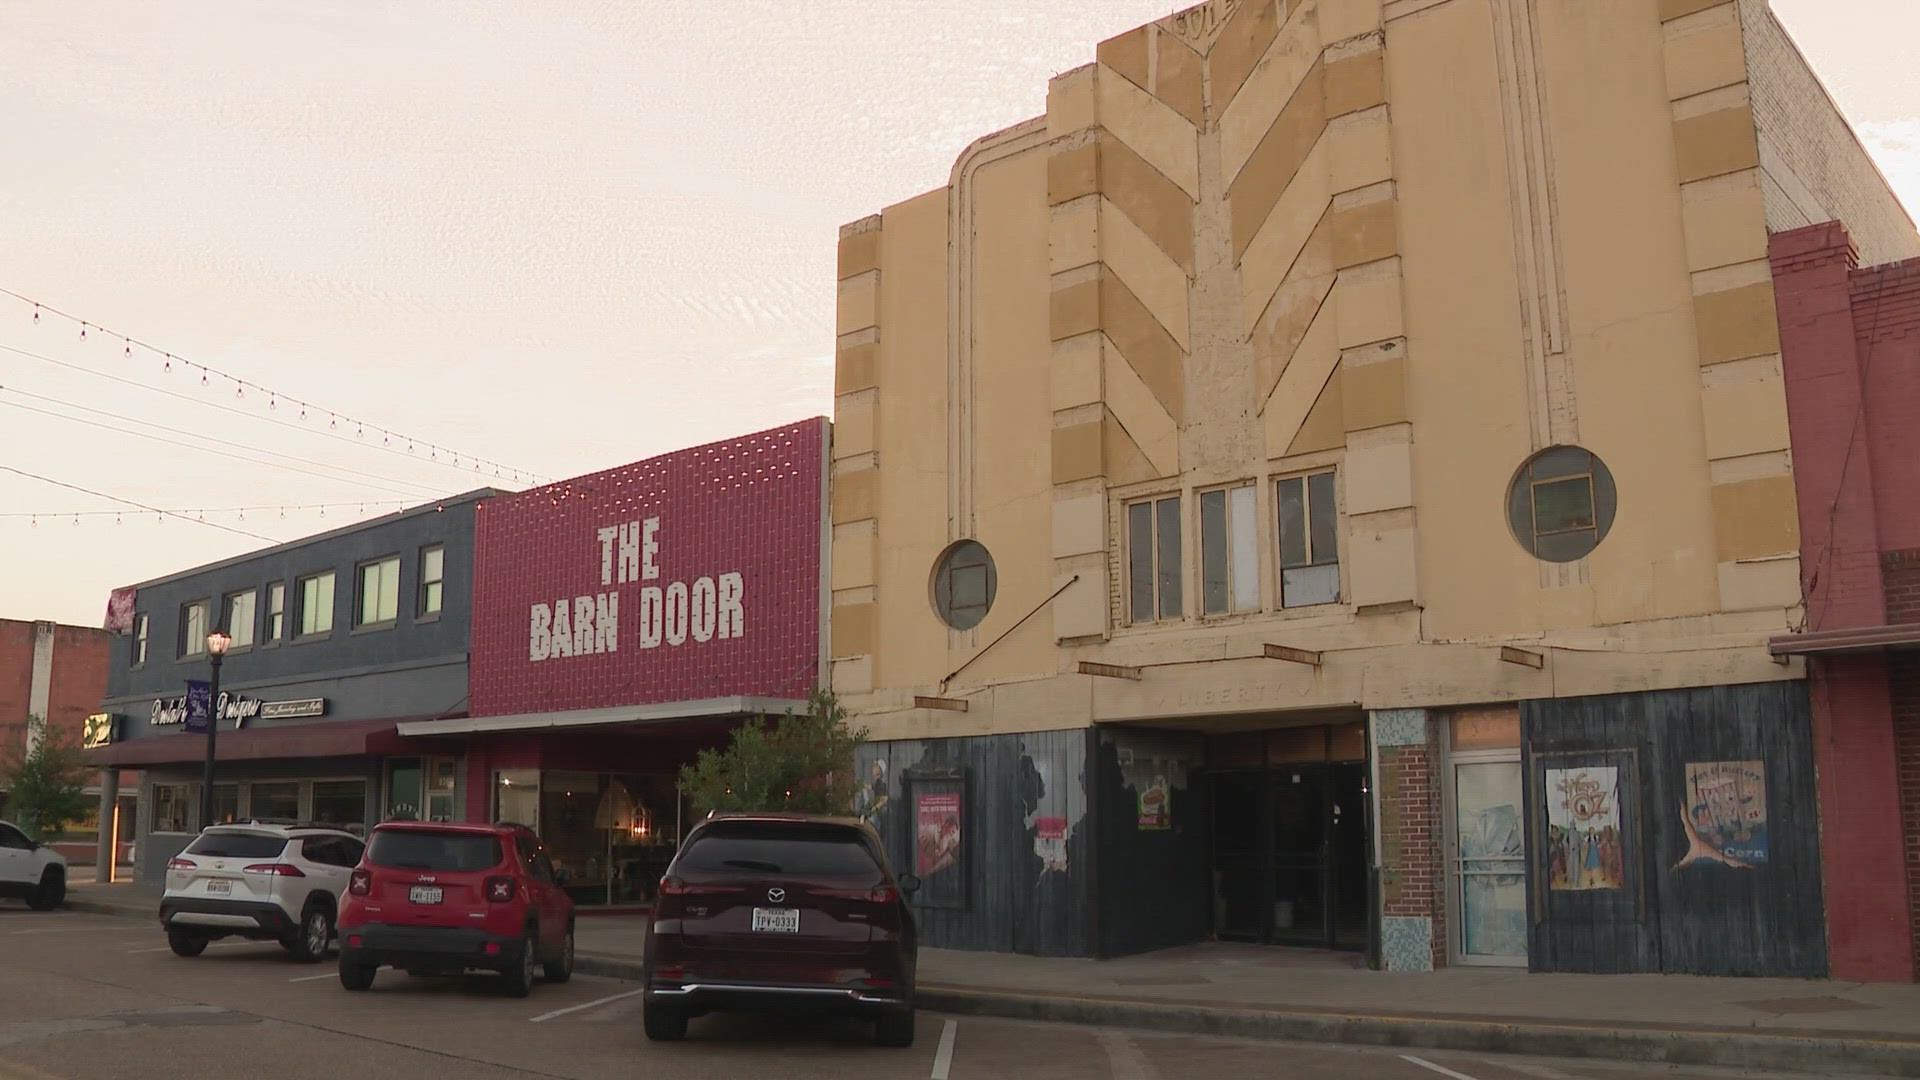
x=217, y=643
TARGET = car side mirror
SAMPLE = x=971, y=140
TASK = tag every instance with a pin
x=909, y=884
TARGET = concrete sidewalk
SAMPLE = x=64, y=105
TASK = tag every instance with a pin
x=1811, y=1025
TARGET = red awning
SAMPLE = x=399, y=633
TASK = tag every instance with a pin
x=321, y=739
x=1863, y=639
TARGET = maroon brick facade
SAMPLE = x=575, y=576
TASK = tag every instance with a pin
x=1852, y=368
x=78, y=680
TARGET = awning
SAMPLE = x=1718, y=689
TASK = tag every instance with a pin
x=1864, y=639
x=320, y=739
x=650, y=715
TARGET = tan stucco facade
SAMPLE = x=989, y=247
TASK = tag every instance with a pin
x=1414, y=241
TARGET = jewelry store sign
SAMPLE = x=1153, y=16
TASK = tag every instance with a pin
x=170, y=712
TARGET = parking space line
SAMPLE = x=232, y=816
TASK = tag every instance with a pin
x=1441, y=1069
x=316, y=978
x=586, y=1005
x=943, y=1057
x=215, y=945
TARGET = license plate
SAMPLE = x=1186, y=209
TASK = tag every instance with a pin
x=219, y=888
x=776, y=920
x=424, y=894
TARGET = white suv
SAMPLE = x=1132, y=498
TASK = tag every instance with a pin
x=264, y=881
x=34, y=872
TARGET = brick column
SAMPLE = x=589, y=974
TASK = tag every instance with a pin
x=1410, y=834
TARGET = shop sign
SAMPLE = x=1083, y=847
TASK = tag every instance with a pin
x=238, y=708
x=693, y=575
x=97, y=732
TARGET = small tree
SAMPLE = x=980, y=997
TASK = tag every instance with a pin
x=46, y=784
x=801, y=763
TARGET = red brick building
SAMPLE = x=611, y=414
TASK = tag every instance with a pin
x=52, y=671
x=1851, y=358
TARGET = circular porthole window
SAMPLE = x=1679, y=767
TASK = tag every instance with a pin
x=963, y=585
x=1561, y=504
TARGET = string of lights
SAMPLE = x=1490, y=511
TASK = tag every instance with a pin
x=384, y=446
x=90, y=331
x=234, y=452
x=208, y=444
x=136, y=505
x=199, y=513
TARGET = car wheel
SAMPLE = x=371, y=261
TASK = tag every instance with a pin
x=560, y=968
x=52, y=890
x=664, y=1024
x=520, y=976
x=309, y=943
x=894, y=1029
x=357, y=976
x=186, y=944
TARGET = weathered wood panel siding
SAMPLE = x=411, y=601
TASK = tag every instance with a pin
x=1679, y=915
x=1005, y=897
x=1153, y=884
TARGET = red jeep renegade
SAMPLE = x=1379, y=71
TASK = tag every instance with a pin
x=437, y=899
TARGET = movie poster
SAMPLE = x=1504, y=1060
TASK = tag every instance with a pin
x=1050, y=843
x=1725, y=813
x=937, y=831
x=1583, y=829
x=1155, y=815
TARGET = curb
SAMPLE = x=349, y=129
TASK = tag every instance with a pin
x=1724, y=1048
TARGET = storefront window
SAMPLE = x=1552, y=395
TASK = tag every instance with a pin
x=280, y=799
x=441, y=787
x=340, y=802
x=604, y=833
x=226, y=802
x=516, y=797
x=170, y=803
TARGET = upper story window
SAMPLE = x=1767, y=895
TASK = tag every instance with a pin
x=1309, y=540
x=139, y=640
x=378, y=592
x=316, y=604
x=193, y=628
x=1153, y=560
x=1229, y=551
x=433, y=569
x=276, y=610
x=239, y=618
x=964, y=583
x=1561, y=504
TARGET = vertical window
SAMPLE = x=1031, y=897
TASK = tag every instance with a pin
x=276, y=610
x=1309, y=540
x=1229, y=552
x=316, y=604
x=433, y=566
x=379, y=592
x=139, y=640
x=240, y=618
x=193, y=629
x=1153, y=560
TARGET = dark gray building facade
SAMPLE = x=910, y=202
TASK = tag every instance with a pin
x=336, y=638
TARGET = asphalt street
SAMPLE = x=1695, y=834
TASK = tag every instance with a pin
x=85, y=996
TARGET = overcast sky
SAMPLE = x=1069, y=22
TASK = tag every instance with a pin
x=557, y=235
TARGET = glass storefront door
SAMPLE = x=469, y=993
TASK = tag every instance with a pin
x=1289, y=854
x=1489, y=861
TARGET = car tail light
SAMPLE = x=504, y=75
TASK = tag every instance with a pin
x=182, y=864
x=883, y=895
x=353, y=941
x=500, y=889
x=278, y=868
x=493, y=948
x=880, y=982
x=879, y=894
x=670, y=974
x=361, y=883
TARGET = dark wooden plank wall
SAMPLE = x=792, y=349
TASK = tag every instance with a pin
x=1702, y=918
x=1006, y=900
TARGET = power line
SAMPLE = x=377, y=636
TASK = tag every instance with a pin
x=206, y=449
x=138, y=505
x=274, y=397
x=424, y=488
x=384, y=447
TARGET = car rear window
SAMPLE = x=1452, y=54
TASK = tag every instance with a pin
x=236, y=845
x=799, y=851
x=409, y=850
